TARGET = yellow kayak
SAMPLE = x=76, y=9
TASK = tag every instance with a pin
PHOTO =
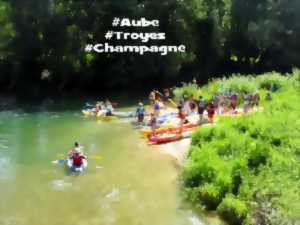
x=87, y=113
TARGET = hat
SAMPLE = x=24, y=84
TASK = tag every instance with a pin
x=140, y=104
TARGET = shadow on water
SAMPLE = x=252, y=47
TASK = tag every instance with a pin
x=30, y=104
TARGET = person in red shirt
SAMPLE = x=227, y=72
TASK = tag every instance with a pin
x=77, y=159
x=210, y=112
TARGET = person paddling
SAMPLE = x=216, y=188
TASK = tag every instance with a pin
x=77, y=159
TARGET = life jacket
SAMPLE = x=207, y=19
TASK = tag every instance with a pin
x=140, y=110
x=181, y=115
x=77, y=160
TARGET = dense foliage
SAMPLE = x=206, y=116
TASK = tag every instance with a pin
x=248, y=168
x=222, y=36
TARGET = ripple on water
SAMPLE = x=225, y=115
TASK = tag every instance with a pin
x=3, y=146
x=5, y=172
x=11, y=220
x=61, y=185
x=113, y=195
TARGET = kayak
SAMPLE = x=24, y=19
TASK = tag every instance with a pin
x=192, y=118
x=168, y=129
x=86, y=112
x=169, y=137
x=101, y=115
x=69, y=163
x=165, y=118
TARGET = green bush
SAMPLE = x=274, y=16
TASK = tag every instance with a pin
x=210, y=195
x=240, y=84
x=249, y=166
x=233, y=210
x=272, y=81
x=187, y=89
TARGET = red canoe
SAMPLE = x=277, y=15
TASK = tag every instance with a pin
x=174, y=129
x=169, y=137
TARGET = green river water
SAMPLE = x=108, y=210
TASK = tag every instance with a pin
x=133, y=184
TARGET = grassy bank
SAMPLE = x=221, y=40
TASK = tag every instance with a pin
x=248, y=168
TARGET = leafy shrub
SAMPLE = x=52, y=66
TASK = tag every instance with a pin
x=210, y=195
x=201, y=168
x=239, y=169
x=187, y=89
x=233, y=210
x=240, y=84
x=271, y=81
x=253, y=159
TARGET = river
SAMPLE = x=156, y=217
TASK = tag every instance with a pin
x=132, y=184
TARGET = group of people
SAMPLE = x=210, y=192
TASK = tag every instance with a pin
x=101, y=108
x=186, y=105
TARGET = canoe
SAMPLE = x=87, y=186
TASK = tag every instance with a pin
x=172, y=116
x=69, y=163
x=169, y=137
x=168, y=129
x=100, y=116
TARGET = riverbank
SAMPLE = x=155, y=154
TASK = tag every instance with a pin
x=247, y=169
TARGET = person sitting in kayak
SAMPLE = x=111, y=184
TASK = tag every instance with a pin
x=77, y=159
x=98, y=107
x=140, y=113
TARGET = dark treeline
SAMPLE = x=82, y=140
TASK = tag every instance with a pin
x=222, y=36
